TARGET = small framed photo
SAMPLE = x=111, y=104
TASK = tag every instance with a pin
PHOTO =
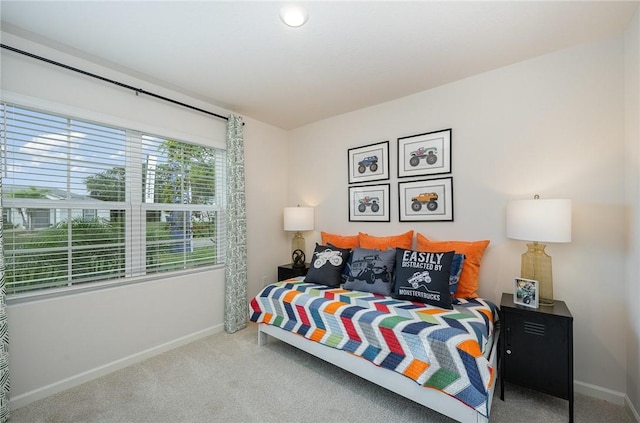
x=424, y=154
x=426, y=201
x=369, y=203
x=525, y=292
x=369, y=162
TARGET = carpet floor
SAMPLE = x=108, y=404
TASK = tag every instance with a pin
x=228, y=378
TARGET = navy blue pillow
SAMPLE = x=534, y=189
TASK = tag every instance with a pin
x=423, y=277
x=456, y=271
x=326, y=265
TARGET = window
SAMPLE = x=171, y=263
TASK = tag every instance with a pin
x=84, y=202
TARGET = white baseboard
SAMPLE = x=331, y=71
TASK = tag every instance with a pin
x=631, y=409
x=609, y=395
x=599, y=392
x=54, y=388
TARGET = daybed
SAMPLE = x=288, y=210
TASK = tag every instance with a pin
x=441, y=356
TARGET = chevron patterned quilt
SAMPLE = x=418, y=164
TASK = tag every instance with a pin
x=437, y=348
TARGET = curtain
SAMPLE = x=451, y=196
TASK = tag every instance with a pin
x=236, y=310
x=4, y=333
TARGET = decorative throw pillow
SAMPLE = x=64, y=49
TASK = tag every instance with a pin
x=423, y=277
x=404, y=240
x=340, y=241
x=347, y=266
x=326, y=265
x=456, y=270
x=473, y=251
x=371, y=270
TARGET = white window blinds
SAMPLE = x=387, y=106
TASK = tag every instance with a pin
x=84, y=202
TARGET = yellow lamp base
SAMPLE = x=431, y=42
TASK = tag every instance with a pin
x=536, y=265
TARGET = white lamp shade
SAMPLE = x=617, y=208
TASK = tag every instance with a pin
x=539, y=220
x=298, y=218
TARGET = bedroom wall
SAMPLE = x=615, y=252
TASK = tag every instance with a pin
x=632, y=137
x=60, y=342
x=552, y=126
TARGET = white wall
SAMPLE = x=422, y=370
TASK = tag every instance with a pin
x=632, y=136
x=267, y=173
x=553, y=126
x=60, y=342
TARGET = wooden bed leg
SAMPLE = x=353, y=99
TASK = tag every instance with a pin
x=262, y=338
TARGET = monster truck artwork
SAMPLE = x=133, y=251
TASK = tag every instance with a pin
x=419, y=279
x=428, y=198
x=333, y=257
x=368, y=269
x=367, y=201
x=370, y=162
x=423, y=153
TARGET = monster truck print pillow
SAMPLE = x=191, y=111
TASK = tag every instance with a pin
x=423, y=277
x=371, y=270
x=326, y=265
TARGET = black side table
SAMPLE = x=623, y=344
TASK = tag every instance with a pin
x=537, y=348
x=287, y=271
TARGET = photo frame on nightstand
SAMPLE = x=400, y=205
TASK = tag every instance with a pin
x=525, y=292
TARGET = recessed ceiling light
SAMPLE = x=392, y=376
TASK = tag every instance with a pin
x=294, y=15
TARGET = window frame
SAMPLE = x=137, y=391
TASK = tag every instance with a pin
x=135, y=255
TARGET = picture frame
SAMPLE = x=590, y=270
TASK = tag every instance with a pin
x=368, y=163
x=526, y=292
x=369, y=203
x=424, y=154
x=429, y=200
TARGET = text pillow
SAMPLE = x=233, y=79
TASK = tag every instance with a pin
x=423, y=277
x=326, y=265
x=371, y=270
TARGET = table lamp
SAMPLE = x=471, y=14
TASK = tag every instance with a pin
x=298, y=219
x=539, y=221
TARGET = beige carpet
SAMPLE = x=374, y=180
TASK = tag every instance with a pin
x=228, y=378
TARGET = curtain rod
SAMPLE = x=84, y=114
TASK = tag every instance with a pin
x=120, y=84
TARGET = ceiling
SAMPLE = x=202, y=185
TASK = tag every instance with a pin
x=351, y=54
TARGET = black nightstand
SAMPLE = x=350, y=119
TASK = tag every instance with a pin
x=537, y=348
x=287, y=271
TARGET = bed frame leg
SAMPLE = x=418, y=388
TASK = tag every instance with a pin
x=262, y=338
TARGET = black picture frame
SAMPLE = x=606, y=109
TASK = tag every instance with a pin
x=369, y=203
x=429, y=200
x=368, y=163
x=425, y=154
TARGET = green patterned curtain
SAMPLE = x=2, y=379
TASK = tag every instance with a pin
x=235, y=305
x=4, y=333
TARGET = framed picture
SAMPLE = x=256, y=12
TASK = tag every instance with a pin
x=369, y=162
x=525, y=292
x=424, y=154
x=426, y=201
x=369, y=203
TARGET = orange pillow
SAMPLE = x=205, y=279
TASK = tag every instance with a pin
x=473, y=250
x=340, y=241
x=383, y=242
